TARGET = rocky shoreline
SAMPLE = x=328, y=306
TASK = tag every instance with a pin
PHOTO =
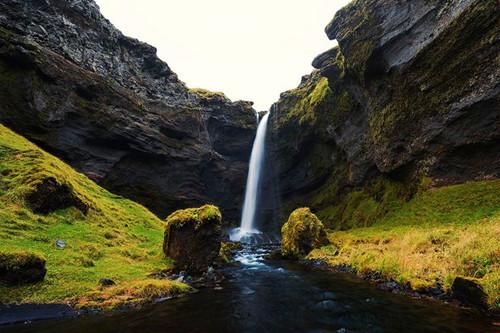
x=390, y=285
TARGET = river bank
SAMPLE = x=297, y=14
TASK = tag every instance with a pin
x=279, y=296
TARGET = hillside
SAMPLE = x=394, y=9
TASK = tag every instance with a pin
x=106, y=236
x=425, y=243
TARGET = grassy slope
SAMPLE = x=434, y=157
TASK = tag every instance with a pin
x=116, y=239
x=439, y=234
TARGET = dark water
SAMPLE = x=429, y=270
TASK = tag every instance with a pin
x=280, y=297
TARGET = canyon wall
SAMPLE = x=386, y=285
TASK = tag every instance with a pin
x=407, y=101
x=107, y=105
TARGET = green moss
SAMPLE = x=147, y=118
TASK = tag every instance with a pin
x=134, y=251
x=360, y=206
x=442, y=74
x=194, y=216
x=207, y=94
x=227, y=250
x=301, y=233
x=14, y=260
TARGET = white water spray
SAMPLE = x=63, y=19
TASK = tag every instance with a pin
x=247, y=226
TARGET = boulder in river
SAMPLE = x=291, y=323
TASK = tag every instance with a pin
x=301, y=233
x=193, y=238
x=21, y=268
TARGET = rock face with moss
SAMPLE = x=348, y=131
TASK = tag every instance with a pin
x=407, y=100
x=21, y=268
x=193, y=238
x=301, y=233
x=107, y=105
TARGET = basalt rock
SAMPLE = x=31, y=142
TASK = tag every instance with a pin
x=193, y=238
x=409, y=98
x=469, y=292
x=107, y=105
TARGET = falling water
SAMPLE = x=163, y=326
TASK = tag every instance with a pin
x=252, y=189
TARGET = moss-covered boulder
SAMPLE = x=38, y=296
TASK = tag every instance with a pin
x=193, y=238
x=228, y=250
x=21, y=268
x=301, y=233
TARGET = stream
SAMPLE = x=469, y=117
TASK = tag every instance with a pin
x=279, y=296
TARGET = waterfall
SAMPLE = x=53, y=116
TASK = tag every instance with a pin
x=247, y=226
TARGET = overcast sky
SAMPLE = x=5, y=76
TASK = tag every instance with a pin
x=248, y=49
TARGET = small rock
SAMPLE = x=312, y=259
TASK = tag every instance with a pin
x=60, y=244
x=326, y=305
x=106, y=282
x=248, y=291
x=469, y=292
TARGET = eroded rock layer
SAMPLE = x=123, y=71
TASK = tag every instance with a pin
x=103, y=102
x=408, y=99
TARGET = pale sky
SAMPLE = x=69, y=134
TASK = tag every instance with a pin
x=251, y=50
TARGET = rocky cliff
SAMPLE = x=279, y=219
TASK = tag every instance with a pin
x=408, y=100
x=104, y=103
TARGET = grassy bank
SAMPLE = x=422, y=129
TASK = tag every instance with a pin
x=438, y=235
x=106, y=236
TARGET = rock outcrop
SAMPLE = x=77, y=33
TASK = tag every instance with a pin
x=21, y=268
x=193, y=238
x=301, y=233
x=469, y=292
x=104, y=103
x=408, y=99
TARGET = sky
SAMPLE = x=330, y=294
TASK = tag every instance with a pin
x=250, y=50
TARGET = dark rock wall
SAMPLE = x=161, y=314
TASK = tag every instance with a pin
x=105, y=103
x=408, y=100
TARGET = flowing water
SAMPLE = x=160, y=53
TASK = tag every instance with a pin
x=274, y=296
x=247, y=226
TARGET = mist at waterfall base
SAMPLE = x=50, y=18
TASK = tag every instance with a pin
x=247, y=230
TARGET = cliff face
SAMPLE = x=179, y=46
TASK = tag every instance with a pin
x=103, y=102
x=408, y=100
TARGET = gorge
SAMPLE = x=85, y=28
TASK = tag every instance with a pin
x=379, y=172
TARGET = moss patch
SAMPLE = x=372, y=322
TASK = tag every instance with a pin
x=116, y=239
x=195, y=216
x=207, y=94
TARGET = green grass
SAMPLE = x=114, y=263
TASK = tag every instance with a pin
x=440, y=234
x=207, y=94
x=116, y=238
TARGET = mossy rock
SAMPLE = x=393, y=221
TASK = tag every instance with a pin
x=193, y=238
x=227, y=251
x=301, y=233
x=49, y=195
x=21, y=268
